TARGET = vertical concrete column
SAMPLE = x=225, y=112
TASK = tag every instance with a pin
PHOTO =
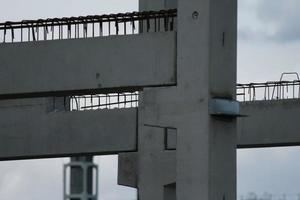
x=206, y=69
x=206, y=144
x=155, y=164
x=150, y=148
x=157, y=4
x=151, y=5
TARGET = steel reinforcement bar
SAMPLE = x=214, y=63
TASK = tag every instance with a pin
x=88, y=26
x=275, y=90
x=104, y=101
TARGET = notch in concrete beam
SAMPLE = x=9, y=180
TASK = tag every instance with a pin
x=170, y=138
x=224, y=107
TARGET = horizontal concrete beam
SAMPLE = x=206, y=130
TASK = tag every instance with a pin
x=28, y=131
x=83, y=66
x=269, y=124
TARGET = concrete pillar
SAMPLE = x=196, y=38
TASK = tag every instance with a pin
x=152, y=158
x=150, y=147
x=206, y=148
x=206, y=69
x=155, y=164
x=157, y=4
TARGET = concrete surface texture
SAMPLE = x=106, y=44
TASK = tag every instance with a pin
x=171, y=146
x=269, y=124
x=31, y=129
x=87, y=64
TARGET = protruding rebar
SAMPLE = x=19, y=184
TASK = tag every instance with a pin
x=147, y=21
x=269, y=91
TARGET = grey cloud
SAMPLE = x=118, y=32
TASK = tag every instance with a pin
x=12, y=10
x=273, y=20
x=272, y=170
x=31, y=180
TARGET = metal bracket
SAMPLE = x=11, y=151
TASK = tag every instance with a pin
x=224, y=107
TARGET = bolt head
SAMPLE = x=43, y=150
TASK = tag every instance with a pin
x=195, y=15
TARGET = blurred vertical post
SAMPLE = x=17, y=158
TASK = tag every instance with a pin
x=81, y=179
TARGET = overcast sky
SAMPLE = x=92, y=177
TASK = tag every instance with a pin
x=269, y=44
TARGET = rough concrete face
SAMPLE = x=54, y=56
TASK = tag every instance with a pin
x=128, y=169
x=30, y=130
x=153, y=163
x=269, y=124
x=206, y=69
x=88, y=64
x=157, y=4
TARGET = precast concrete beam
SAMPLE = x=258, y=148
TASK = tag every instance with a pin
x=269, y=124
x=30, y=131
x=85, y=66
